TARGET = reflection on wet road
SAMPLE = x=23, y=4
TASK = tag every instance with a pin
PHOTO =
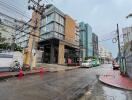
x=69, y=85
x=100, y=91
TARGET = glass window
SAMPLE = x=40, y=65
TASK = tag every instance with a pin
x=49, y=27
x=50, y=18
x=43, y=30
x=56, y=17
x=43, y=22
x=61, y=20
x=56, y=27
x=55, y=34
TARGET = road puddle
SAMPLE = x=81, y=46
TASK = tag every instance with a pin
x=100, y=91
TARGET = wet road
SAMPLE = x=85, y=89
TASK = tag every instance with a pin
x=62, y=86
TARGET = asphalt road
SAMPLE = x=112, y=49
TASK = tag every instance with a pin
x=69, y=85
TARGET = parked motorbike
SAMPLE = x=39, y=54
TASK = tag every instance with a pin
x=15, y=66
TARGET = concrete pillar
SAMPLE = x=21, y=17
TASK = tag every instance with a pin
x=52, y=53
x=61, y=53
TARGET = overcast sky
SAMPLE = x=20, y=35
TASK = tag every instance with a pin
x=102, y=15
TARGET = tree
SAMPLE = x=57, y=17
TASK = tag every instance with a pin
x=15, y=47
x=2, y=39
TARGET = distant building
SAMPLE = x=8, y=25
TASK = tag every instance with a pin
x=104, y=54
x=21, y=38
x=86, y=40
x=6, y=32
x=95, y=45
x=127, y=37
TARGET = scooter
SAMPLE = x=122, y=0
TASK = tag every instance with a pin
x=15, y=67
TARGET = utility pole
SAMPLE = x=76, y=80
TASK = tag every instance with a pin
x=119, y=49
x=30, y=52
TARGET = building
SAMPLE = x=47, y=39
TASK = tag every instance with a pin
x=86, y=40
x=59, y=37
x=21, y=38
x=6, y=32
x=127, y=37
x=127, y=34
x=104, y=54
x=95, y=45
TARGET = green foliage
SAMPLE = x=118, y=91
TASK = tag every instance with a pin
x=2, y=39
x=90, y=57
x=86, y=58
x=5, y=46
x=15, y=47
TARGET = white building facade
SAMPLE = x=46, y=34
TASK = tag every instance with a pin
x=104, y=53
x=127, y=37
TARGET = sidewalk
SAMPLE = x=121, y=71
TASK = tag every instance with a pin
x=113, y=78
x=46, y=68
x=56, y=68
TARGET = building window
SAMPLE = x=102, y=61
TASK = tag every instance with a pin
x=56, y=27
x=50, y=18
x=48, y=28
x=43, y=22
x=59, y=28
x=56, y=17
x=59, y=19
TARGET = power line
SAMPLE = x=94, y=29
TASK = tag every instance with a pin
x=108, y=39
x=15, y=20
x=6, y=5
x=30, y=33
x=14, y=6
x=105, y=40
x=14, y=13
x=109, y=34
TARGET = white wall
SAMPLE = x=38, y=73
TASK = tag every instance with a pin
x=7, y=61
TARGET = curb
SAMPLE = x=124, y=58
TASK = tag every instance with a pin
x=32, y=73
x=113, y=85
x=8, y=76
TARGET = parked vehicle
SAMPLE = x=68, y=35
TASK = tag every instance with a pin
x=95, y=62
x=87, y=63
x=15, y=66
x=115, y=65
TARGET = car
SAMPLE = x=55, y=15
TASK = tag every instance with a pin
x=116, y=66
x=87, y=63
x=95, y=62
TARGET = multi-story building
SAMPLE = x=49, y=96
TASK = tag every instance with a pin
x=6, y=32
x=95, y=45
x=104, y=54
x=127, y=37
x=86, y=40
x=21, y=38
x=59, y=37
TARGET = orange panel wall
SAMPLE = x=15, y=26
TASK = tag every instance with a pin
x=70, y=27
